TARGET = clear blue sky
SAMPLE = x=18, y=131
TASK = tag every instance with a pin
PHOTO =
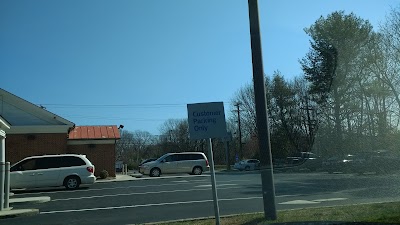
x=139, y=62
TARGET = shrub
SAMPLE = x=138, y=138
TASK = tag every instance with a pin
x=104, y=174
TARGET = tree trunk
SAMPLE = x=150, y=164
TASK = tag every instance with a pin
x=338, y=127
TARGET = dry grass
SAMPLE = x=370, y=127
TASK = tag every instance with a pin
x=377, y=212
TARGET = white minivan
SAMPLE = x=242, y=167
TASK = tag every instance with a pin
x=184, y=162
x=69, y=170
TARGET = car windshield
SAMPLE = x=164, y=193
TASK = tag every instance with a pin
x=200, y=112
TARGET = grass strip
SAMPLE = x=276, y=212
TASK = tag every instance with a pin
x=388, y=212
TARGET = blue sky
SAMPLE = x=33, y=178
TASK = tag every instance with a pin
x=138, y=63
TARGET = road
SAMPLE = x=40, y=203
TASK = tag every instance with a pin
x=153, y=200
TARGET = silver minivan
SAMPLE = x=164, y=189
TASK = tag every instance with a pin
x=69, y=170
x=184, y=162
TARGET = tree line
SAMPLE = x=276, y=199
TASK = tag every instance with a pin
x=346, y=101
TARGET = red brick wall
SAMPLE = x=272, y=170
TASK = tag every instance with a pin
x=101, y=155
x=19, y=146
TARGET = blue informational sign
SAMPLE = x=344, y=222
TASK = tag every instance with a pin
x=206, y=120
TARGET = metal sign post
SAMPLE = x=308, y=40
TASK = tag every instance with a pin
x=206, y=121
x=213, y=181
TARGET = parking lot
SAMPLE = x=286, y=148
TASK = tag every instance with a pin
x=144, y=200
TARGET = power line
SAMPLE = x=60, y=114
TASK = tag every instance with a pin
x=155, y=105
x=117, y=110
x=112, y=105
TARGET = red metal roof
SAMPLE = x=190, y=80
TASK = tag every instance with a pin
x=94, y=132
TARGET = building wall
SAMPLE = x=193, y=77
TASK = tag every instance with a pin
x=101, y=155
x=19, y=146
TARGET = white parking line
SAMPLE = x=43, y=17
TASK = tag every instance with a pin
x=298, y=202
x=141, y=193
x=218, y=185
x=285, y=196
x=173, y=183
x=302, y=202
x=100, y=189
x=146, y=205
x=329, y=199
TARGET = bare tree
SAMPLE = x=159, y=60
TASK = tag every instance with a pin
x=388, y=65
x=134, y=146
x=176, y=136
x=124, y=146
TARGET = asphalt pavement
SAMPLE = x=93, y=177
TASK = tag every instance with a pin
x=111, y=201
x=10, y=212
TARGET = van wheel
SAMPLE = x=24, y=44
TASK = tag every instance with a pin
x=72, y=182
x=155, y=172
x=197, y=170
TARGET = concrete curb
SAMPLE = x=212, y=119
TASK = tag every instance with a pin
x=12, y=213
x=30, y=199
x=199, y=218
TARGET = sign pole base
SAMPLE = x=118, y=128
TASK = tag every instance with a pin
x=213, y=181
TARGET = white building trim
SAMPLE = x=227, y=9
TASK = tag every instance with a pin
x=4, y=124
x=2, y=134
x=46, y=129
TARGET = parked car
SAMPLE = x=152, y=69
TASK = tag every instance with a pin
x=147, y=160
x=67, y=170
x=185, y=162
x=339, y=164
x=304, y=160
x=247, y=164
x=379, y=161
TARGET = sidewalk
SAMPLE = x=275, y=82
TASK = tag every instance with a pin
x=136, y=176
x=10, y=213
x=132, y=176
x=118, y=177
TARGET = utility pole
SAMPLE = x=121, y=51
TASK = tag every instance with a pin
x=267, y=179
x=240, y=130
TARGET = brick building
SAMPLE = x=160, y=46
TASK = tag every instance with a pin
x=97, y=143
x=36, y=131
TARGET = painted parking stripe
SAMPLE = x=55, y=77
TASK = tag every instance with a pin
x=298, y=202
x=126, y=187
x=146, y=205
x=330, y=199
x=317, y=201
x=218, y=185
x=99, y=189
